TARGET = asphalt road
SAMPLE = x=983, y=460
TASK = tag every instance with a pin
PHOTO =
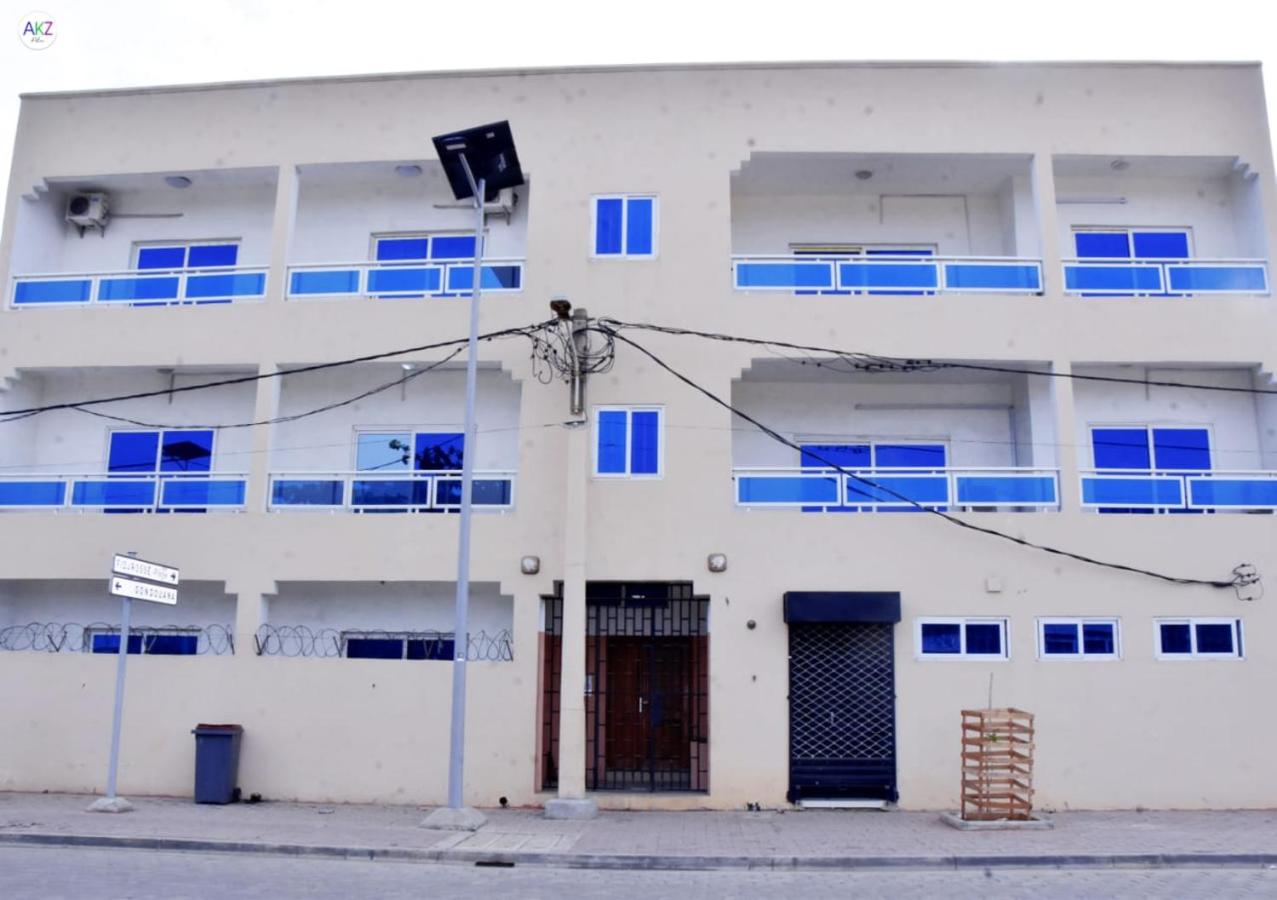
x=66, y=872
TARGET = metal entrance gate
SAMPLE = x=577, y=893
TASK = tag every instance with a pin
x=842, y=711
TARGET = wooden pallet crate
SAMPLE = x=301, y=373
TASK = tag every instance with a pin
x=997, y=764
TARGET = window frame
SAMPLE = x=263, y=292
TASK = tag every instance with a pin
x=629, y=411
x=1151, y=442
x=391, y=431
x=159, y=450
x=142, y=633
x=375, y=237
x=405, y=639
x=1239, y=646
x=186, y=245
x=625, y=225
x=1081, y=655
x=1130, y=232
x=1004, y=623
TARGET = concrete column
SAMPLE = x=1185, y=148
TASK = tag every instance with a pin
x=571, y=802
x=1043, y=179
x=282, y=231
x=252, y=605
x=266, y=406
x=1066, y=451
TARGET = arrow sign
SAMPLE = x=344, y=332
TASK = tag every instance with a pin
x=140, y=590
x=140, y=568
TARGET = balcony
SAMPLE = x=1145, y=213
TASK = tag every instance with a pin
x=884, y=224
x=370, y=492
x=167, y=240
x=404, y=234
x=943, y=440
x=113, y=492
x=1160, y=227
x=1145, y=447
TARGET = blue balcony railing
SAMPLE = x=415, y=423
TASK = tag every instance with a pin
x=888, y=274
x=1166, y=490
x=150, y=492
x=143, y=287
x=406, y=279
x=1164, y=277
x=363, y=492
x=892, y=489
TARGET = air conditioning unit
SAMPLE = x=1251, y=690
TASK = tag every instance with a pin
x=504, y=205
x=88, y=210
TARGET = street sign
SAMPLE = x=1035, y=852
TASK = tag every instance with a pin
x=140, y=590
x=140, y=568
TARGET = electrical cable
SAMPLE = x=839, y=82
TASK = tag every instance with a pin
x=1243, y=575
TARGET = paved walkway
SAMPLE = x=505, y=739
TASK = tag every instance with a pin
x=777, y=839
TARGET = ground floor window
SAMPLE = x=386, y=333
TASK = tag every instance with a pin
x=1078, y=639
x=1199, y=638
x=958, y=638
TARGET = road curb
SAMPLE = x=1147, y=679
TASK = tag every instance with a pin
x=652, y=861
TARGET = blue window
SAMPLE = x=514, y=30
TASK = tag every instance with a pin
x=625, y=226
x=962, y=638
x=918, y=487
x=149, y=642
x=405, y=645
x=408, y=451
x=1128, y=244
x=187, y=255
x=1077, y=638
x=443, y=247
x=628, y=442
x=1148, y=449
x=1199, y=638
x=147, y=452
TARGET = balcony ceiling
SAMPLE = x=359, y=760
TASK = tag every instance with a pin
x=1144, y=166
x=793, y=372
x=151, y=182
x=767, y=174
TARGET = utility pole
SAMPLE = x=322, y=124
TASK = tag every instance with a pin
x=571, y=802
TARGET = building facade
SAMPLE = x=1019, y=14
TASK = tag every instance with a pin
x=1032, y=299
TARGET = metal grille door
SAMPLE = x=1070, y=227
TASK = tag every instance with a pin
x=842, y=712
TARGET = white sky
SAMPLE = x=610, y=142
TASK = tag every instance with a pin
x=129, y=43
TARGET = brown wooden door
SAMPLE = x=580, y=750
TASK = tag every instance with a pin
x=648, y=703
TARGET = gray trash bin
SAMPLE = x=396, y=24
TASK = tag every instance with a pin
x=216, y=763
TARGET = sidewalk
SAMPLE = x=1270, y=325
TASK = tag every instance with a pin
x=665, y=840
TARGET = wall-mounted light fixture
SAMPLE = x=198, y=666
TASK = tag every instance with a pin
x=181, y=182
x=717, y=562
x=530, y=565
x=408, y=170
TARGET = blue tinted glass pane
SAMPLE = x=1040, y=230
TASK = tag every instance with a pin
x=186, y=451
x=1120, y=448
x=162, y=288
x=374, y=648
x=448, y=492
x=1181, y=448
x=110, y=643
x=402, y=248
x=493, y=278
x=993, y=489
x=984, y=639
x=368, y=492
x=1257, y=492
x=611, y=438
x=785, y=275
x=1059, y=639
x=201, y=492
x=1175, y=638
x=246, y=284
x=1097, y=637
x=898, y=490
x=431, y=648
x=1240, y=279
x=1146, y=491
x=491, y=491
x=1102, y=244
x=202, y=256
x=941, y=638
x=899, y=251
x=923, y=276
x=1214, y=638
x=1119, y=279
x=439, y=451
x=161, y=257
x=32, y=493
x=133, y=451
x=373, y=451
x=166, y=644
x=340, y=281
x=297, y=492
x=78, y=290
x=452, y=247
x=607, y=225
x=645, y=443
x=406, y=280
x=112, y=493
x=638, y=226
x=1161, y=244
x=913, y=456
x=848, y=456
x=978, y=276
x=756, y=489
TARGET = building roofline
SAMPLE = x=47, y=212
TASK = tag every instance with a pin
x=627, y=69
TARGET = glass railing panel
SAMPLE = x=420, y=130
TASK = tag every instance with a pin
x=41, y=293
x=978, y=276
x=226, y=285
x=405, y=280
x=1217, y=278
x=32, y=493
x=1113, y=278
x=307, y=492
x=493, y=278
x=112, y=290
x=787, y=490
x=1132, y=491
x=483, y=491
x=384, y=492
x=111, y=492
x=902, y=276
x=898, y=490
x=1006, y=490
x=202, y=492
x=784, y=275
x=1232, y=492
x=328, y=281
